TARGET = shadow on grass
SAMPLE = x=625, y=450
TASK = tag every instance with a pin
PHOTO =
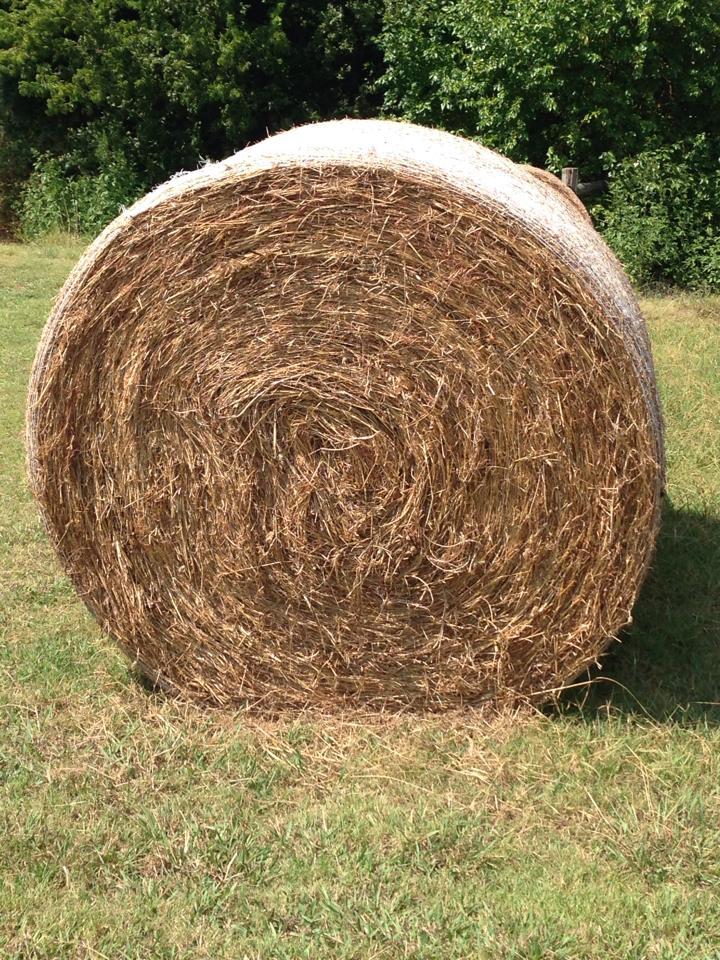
x=668, y=664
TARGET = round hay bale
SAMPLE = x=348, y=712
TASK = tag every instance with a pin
x=365, y=414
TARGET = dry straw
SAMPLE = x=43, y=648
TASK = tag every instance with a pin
x=365, y=414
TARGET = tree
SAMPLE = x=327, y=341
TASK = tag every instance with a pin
x=165, y=85
x=555, y=83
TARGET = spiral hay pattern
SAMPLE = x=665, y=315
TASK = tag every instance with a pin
x=365, y=414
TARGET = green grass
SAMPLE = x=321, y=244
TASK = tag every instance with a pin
x=134, y=827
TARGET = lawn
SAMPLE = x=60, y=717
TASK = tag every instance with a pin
x=134, y=827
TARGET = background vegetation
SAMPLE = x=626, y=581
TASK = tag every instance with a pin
x=135, y=90
x=101, y=99
x=135, y=827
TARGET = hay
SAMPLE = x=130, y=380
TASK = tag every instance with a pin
x=568, y=195
x=365, y=414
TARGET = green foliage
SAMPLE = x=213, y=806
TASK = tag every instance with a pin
x=54, y=199
x=164, y=85
x=101, y=99
x=628, y=88
x=662, y=215
x=554, y=83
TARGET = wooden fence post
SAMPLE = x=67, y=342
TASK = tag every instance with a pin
x=570, y=178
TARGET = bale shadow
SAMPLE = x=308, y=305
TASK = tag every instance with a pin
x=667, y=666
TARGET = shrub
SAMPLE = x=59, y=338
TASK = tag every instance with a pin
x=662, y=214
x=55, y=198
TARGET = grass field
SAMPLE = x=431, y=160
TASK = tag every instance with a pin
x=138, y=828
